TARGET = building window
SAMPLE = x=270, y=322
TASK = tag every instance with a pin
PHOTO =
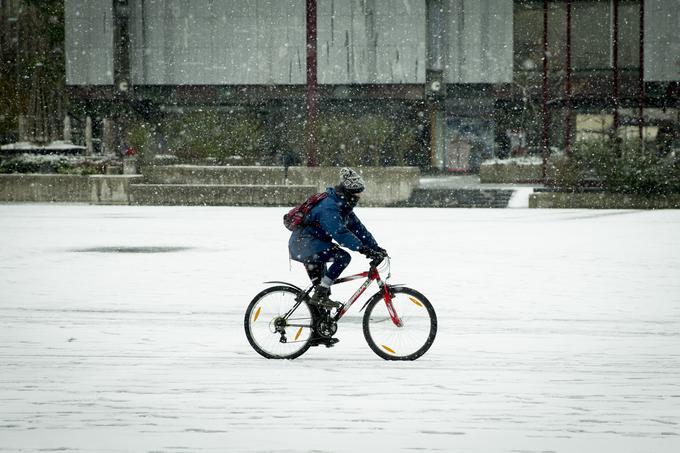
x=591, y=34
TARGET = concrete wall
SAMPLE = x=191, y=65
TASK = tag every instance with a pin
x=176, y=184
x=601, y=200
x=98, y=189
x=359, y=41
x=480, y=41
x=507, y=172
x=44, y=188
x=198, y=174
x=111, y=189
x=263, y=41
x=218, y=195
x=384, y=185
x=89, y=42
x=218, y=42
x=371, y=41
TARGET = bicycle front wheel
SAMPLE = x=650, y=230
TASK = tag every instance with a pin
x=416, y=330
x=277, y=325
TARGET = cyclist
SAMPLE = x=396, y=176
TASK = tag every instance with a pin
x=333, y=219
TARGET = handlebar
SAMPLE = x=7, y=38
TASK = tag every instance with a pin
x=374, y=263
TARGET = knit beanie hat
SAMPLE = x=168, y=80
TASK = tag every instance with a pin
x=351, y=181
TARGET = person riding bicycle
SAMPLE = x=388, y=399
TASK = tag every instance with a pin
x=333, y=219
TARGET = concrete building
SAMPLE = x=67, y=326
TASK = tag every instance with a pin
x=466, y=78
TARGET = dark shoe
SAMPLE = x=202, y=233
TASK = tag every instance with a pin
x=320, y=298
x=328, y=342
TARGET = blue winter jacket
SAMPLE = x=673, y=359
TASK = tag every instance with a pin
x=330, y=220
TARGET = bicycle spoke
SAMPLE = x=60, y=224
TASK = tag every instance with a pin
x=268, y=330
x=412, y=337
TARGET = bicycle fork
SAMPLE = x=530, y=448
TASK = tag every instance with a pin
x=387, y=297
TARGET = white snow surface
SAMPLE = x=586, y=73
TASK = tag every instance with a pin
x=121, y=330
x=520, y=197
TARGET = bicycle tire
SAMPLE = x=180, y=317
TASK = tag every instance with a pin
x=268, y=347
x=380, y=330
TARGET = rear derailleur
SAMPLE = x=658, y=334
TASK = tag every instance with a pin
x=279, y=326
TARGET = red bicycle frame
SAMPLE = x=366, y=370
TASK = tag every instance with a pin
x=371, y=275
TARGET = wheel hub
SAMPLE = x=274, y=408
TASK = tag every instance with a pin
x=278, y=325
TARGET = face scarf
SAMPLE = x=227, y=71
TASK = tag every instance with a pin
x=351, y=199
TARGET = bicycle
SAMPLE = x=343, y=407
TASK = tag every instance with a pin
x=280, y=323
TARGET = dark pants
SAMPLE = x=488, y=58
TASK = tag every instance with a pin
x=316, y=265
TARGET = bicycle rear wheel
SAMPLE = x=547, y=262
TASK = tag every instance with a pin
x=413, y=337
x=268, y=330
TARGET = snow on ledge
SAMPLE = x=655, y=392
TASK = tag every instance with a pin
x=526, y=160
x=58, y=145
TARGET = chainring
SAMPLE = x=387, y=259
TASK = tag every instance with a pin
x=326, y=328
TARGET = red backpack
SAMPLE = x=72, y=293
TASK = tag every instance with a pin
x=296, y=216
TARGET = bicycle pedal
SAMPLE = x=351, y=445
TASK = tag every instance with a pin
x=330, y=342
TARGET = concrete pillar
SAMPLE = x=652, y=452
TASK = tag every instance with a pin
x=121, y=46
x=435, y=83
x=108, y=136
x=372, y=40
x=23, y=128
x=89, y=150
x=312, y=89
x=67, y=129
x=438, y=138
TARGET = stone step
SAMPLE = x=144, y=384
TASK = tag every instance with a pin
x=218, y=194
x=459, y=198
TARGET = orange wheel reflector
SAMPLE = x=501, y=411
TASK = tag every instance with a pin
x=297, y=335
x=415, y=301
x=257, y=314
x=388, y=349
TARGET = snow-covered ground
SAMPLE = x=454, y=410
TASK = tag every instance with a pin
x=121, y=329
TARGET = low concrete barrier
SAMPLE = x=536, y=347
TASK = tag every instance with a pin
x=516, y=170
x=44, y=188
x=384, y=185
x=602, y=200
x=218, y=195
x=112, y=189
x=186, y=184
x=220, y=175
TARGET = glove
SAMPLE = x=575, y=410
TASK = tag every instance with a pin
x=367, y=252
x=378, y=254
x=382, y=251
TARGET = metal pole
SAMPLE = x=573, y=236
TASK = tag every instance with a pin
x=312, y=90
x=615, y=67
x=546, y=120
x=567, y=128
x=641, y=78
